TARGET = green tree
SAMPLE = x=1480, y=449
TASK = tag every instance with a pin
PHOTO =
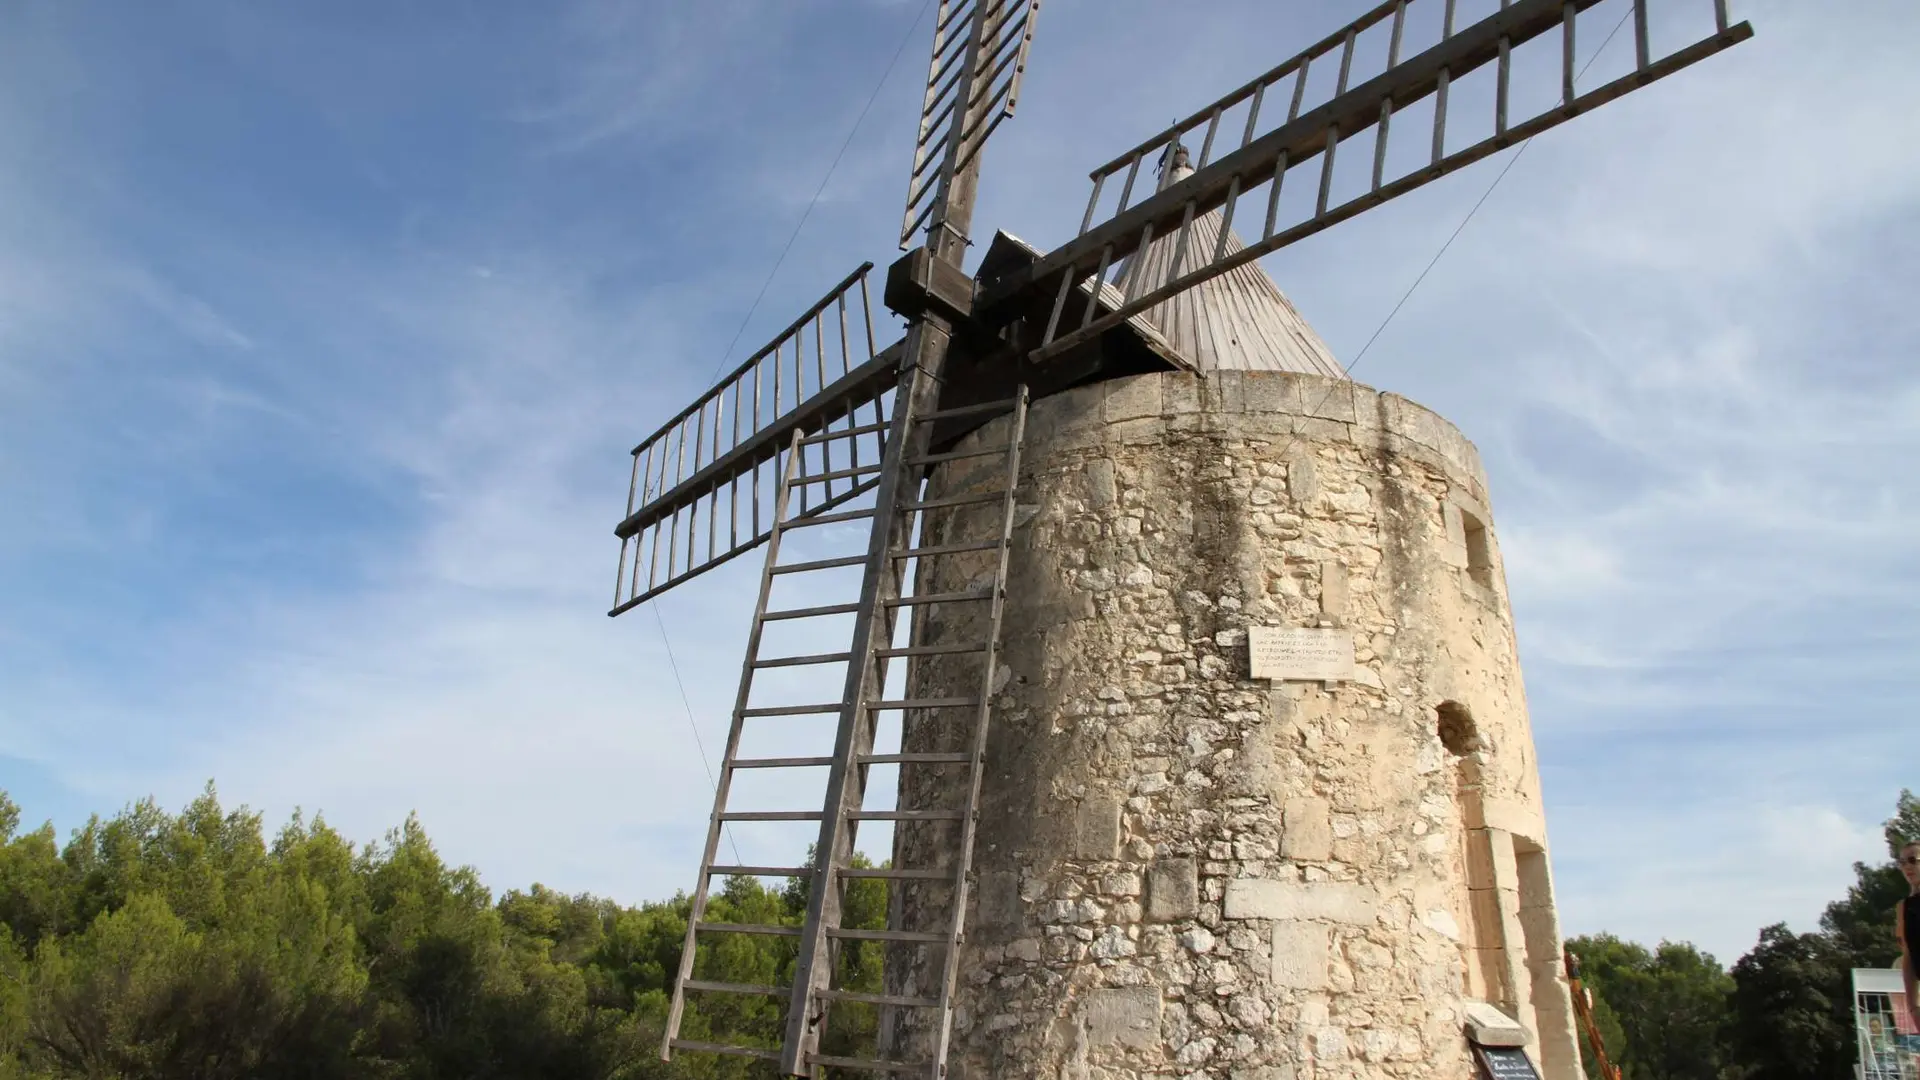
x=1670, y=1004
x=1793, y=1013
x=1793, y=1001
x=1862, y=923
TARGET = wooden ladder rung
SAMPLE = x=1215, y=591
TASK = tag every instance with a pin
x=781, y=762
x=699, y=1047
x=760, y=871
x=820, y=564
x=877, y=999
x=944, y=549
x=930, y=650
x=956, y=455
x=810, y=612
x=968, y=499
x=736, y=988
x=794, y=710
x=804, y=661
x=844, y=433
x=1003, y=405
x=872, y=1064
x=956, y=758
x=805, y=520
x=923, y=703
x=906, y=815
x=941, y=598
x=921, y=936
x=837, y=474
x=772, y=815
x=748, y=928
x=889, y=874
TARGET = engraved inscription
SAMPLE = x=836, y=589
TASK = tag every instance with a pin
x=1299, y=652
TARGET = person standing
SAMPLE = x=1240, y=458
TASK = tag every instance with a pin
x=1906, y=923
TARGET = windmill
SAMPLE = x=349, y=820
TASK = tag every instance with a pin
x=822, y=426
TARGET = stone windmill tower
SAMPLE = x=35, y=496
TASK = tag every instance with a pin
x=1211, y=748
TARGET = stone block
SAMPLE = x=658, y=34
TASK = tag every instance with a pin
x=1514, y=817
x=1488, y=921
x=1123, y=1016
x=1426, y=428
x=1487, y=973
x=1535, y=880
x=1096, y=832
x=1333, y=901
x=1454, y=551
x=1331, y=401
x=1540, y=929
x=1505, y=874
x=1314, y=429
x=1264, y=1072
x=1473, y=813
x=1101, y=489
x=1306, y=831
x=1146, y=431
x=1544, y=972
x=1301, y=951
x=1333, y=590
x=1173, y=890
x=1074, y=409
x=1489, y=1026
x=1226, y=391
x=1000, y=906
x=1182, y=395
x=1137, y=397
x=1479, y=847
x=1303, y=477
x=1270, y=392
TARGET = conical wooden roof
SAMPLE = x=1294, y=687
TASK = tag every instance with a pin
x=1239, y=321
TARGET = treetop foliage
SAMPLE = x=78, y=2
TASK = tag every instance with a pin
x=154, y=946
x=157, y=946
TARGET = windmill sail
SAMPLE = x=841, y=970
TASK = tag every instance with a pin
x=1297, y=131
x=703, y=483
x=973, y=82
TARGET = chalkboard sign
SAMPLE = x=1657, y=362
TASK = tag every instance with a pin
x=1505, y=1063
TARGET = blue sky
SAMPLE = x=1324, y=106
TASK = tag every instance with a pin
x=324, y=332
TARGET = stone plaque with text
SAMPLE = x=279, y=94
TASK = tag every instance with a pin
x=1300, y=652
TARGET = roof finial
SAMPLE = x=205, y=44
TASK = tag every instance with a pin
x=1174, y=164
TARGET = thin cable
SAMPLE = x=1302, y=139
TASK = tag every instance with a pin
x=1458, y=229
x=821, y=190
x=687, y=703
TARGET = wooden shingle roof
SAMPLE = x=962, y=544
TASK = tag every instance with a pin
x=1239, y=321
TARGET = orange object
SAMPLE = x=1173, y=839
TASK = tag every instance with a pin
x=1583, y=1008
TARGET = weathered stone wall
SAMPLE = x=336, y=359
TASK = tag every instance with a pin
x=1185, y=872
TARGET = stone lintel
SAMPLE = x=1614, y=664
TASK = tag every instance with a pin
x=1334, y=901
